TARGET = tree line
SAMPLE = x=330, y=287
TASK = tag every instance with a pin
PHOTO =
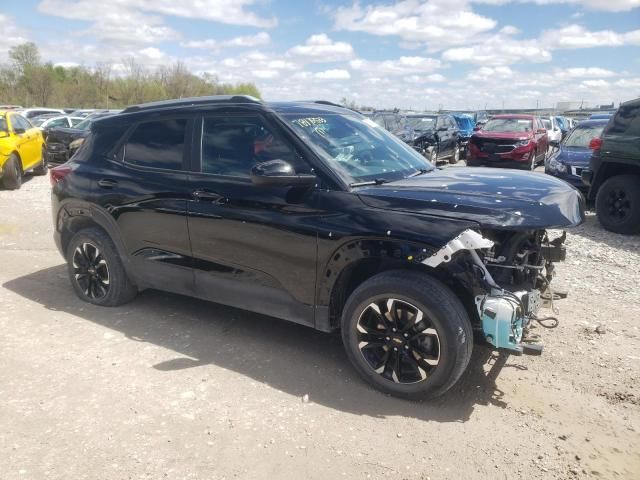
x=28, y=81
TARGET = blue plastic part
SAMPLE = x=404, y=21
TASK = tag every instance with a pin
x=501, y=323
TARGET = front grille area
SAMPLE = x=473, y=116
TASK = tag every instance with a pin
x=490, y=145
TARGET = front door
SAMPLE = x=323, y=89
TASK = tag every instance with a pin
x=27, y=142
x=254, y=247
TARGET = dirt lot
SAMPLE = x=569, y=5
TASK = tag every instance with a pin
x=171, y=387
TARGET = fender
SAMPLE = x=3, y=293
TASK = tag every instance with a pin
x=74, y=210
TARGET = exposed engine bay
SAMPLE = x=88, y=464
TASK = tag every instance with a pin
x=515, y=270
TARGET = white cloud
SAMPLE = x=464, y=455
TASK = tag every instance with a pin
x=438, y=23
x=401, y=66
x=320, y=48
x=605, y=5
x=595, y=83
x=11, y=35
x=248, y=41
x=575, y=36
x=335, y=74
x=500, y=49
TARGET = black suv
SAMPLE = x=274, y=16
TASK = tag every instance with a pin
x=314, y=214
x=435, y=136
x=614, y=171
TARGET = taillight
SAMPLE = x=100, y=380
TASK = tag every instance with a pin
x=595, y=143
x=58, y=173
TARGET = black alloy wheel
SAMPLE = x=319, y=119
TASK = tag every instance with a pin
x=618, y=204
x=91, y=271
x=398, y=341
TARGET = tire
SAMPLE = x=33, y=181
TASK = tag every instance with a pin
x=42, y=168
x=455, y=158
x=95, y=269
x=433, y=156
x=443, y=356
x=618, y=204
x=12, y=173
x=533, y=160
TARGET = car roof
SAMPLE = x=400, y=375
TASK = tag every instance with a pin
x=596, y=122
x=514, y=115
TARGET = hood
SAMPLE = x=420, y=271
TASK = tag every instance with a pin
x=65, y=135
x=576, y=156
x=494, y=198
x=504, y=135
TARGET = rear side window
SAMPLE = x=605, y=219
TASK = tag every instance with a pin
x=626, y=121
x=157, y=144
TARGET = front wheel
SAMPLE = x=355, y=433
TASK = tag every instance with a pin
x=618, y=204
x=12, y=173
x=407, y=334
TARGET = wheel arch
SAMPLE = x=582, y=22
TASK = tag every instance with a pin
x=74, y=216
x=354, y=262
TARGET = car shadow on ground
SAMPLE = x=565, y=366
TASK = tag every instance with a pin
x=288, y=357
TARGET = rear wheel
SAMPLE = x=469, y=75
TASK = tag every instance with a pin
x=456, y=156
x=432, y=155
x=96, y=271
x=12, y=173
x=618, y=204
x=41, y=169
x=532, y=160
x=407, y=334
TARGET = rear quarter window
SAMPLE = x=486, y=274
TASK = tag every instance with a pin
x=157, y=144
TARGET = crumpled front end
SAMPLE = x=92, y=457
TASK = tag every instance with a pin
x=507, y=274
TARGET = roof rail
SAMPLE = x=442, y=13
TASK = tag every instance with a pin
x=333, y=104
x=184, y=102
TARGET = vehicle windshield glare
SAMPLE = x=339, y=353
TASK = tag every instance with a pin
x=36, y=122
x=358, y=147
x=508, y=125
x=421, y=123
x=581, y=136
x=84, y=125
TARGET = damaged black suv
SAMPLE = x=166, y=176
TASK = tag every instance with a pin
x=313, y=213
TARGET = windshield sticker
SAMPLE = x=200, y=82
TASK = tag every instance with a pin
x=310, y=121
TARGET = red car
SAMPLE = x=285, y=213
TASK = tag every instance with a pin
x=514, y=141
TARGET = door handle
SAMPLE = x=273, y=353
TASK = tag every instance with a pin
x=107, y=183
x=209, y=196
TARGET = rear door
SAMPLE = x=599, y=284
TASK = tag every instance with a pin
x=143, y=188
x=254, y=247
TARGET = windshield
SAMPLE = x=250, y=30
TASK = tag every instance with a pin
x=508, y=125
x=357, y=147
x=36, y=122
x=421, y=123
x=581, y=136
x=84, y=124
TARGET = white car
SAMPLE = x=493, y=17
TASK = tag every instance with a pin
x=47, y=121
x=553, y=130
x=29, y=113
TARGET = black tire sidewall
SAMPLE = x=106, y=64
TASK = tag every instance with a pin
x=120, y=289
x=630, y=184
x=446, y=314
x=42, y=168
x=12, y=174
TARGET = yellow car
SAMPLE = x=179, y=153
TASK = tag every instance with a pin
x=21, y=149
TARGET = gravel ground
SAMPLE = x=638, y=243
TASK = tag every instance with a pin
x=171, y=387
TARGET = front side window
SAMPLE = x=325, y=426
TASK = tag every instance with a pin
x=232, y=145
x=157, y=144
x=3, y=124
x=421, y=124
x=626, y=121
x=18, y=121
x=357, y=147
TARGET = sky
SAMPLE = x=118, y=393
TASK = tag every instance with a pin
x=453, y=54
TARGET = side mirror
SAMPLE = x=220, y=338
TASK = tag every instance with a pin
x=18, y=130
x=279, y=173
x=476, y=128
x=541, y=130
x=554, y=143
